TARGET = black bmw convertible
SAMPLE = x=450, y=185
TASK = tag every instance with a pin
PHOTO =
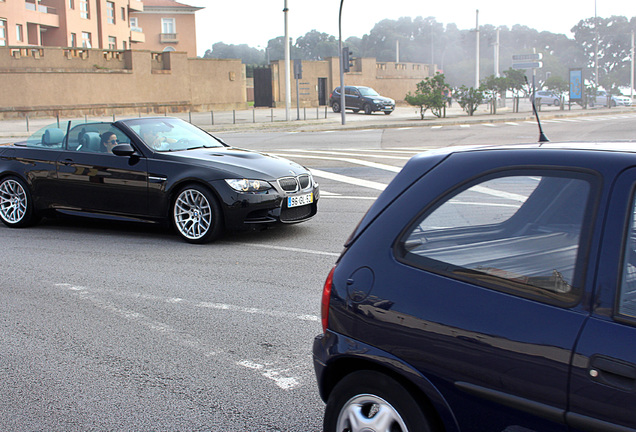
x=151, y=169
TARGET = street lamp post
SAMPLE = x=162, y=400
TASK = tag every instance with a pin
x=477, y=50
x=287, y=67
x=342, y=88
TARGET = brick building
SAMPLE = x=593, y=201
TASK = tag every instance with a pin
x=156, y=25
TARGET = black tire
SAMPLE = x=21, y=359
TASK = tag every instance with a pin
x=16, y=204
x=612, y=104
x=556, y=103
x=388, y=112
x=361, y=393
x=196, y=214
x=356, y=111
x=335, y=107
x=367, y=109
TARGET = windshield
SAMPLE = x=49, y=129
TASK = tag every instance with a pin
x=366, y=91
x=171, y=134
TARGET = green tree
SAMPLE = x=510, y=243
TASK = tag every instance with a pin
x=496, y=86
x=557, y=84
x=613, y=36
x=429, y=95
x=317, y=46
x=469, y=98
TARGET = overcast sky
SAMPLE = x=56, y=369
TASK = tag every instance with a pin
x=255, y=22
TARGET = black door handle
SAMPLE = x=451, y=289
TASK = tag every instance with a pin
x=613, y=372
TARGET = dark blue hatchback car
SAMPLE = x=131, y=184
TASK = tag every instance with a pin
x=488, y=289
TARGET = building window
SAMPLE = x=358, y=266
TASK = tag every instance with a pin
x=112, y=43
x=84, y=9
x=123, y=14
x=110, y=12
x=124, y=45
x=73, y=40
x=134, y=24
x=86, y=40
x=71, y=4
x=18, y=32
x=167, y=26
x=3, y=32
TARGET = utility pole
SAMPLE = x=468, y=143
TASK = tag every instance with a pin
x=497, y=55
x=342, y=86
x=477, y=49
x=631, y=93
x=287, y=66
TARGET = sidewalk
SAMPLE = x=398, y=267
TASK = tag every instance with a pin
x=323, y=119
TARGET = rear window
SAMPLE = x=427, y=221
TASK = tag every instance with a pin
x=518, y=233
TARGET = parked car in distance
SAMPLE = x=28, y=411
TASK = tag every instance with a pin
x=546, y=97
x=152, y=169
x=603, y=98
x=488, y=289
x=360, y=98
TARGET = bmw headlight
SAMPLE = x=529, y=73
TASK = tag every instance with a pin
x=247, y=185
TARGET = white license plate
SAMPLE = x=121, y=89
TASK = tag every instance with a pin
x=300, y=200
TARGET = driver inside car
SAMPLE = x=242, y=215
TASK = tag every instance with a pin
x=155, y=141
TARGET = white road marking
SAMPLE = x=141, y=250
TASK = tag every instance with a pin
x=290, y=249
x=489, y=125
x=436, y=127
x=512, y=123
x=348, y=160
x=280, y=376
x=464, y=126
x=350, y=180
x=343, y=153
x=277, y=375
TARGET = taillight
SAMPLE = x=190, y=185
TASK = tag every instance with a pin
x=326, y=296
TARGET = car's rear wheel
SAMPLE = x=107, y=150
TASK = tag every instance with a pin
x=196, y=215
x=16, y=205
x=367, y=400
x=556, y=102
x=335, y=107
x=367, y=109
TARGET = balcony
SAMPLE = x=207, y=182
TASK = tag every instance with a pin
x=170, y=38
x=135, y=6
x=137, y=35
x=40, y=14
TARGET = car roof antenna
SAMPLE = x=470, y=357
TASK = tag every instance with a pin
x=542, y=137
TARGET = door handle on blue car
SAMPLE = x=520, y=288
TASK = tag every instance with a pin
x=613, y=372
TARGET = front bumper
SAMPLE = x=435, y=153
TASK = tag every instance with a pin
x=249, y=210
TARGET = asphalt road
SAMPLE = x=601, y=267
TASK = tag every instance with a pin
x=120, y=326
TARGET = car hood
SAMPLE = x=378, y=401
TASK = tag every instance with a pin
x=381, y=98
x=243, y=163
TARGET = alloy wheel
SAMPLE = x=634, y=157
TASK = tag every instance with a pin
x=193, y=214
x=13, y=201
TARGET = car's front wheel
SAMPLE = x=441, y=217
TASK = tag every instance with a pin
x=16, y=205
x=367, y=400
x=196, y=215
x=335, y=107
x=367, y=109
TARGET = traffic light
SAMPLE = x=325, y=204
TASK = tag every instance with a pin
x=347, y=59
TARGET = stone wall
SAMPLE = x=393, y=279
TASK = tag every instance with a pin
x=76, y=81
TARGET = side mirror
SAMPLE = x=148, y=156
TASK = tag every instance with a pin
x=123, y=150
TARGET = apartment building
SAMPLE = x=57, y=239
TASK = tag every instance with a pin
x=104, y=24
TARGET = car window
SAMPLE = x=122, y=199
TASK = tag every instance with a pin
x=366, y=91
x=171, y=134
x=87, y=137
x=350, y=91
x=627, y=297
x=518, y=233
x=50, y=136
